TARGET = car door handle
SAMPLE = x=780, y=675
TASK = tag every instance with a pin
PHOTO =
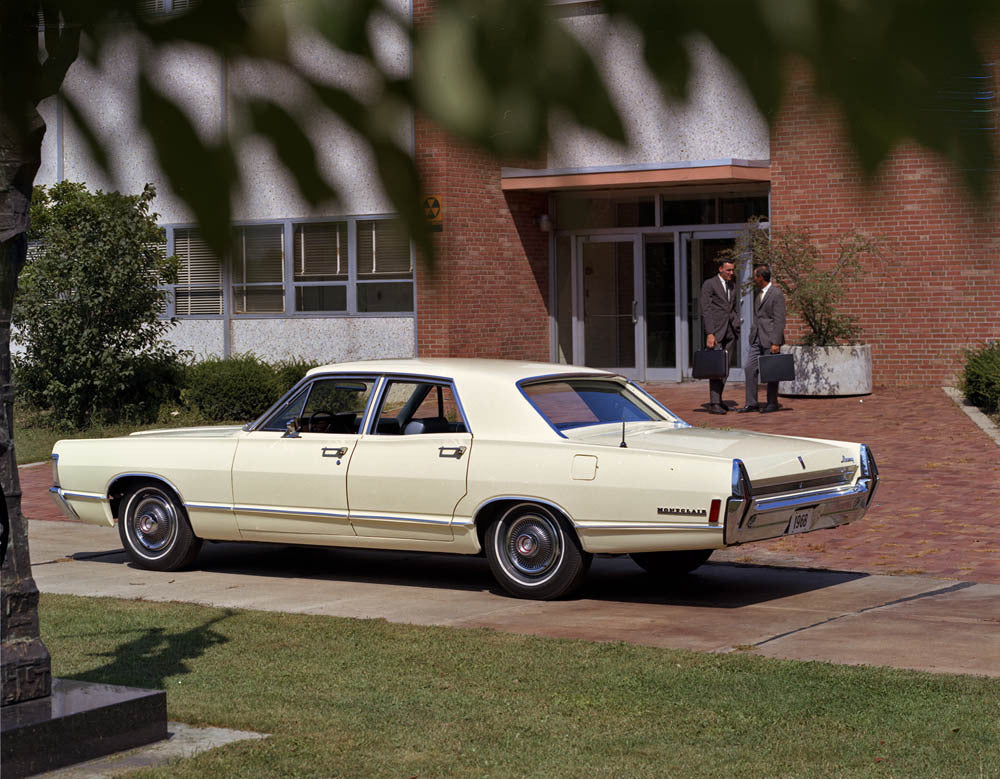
x=330, y=451
x=454, y=452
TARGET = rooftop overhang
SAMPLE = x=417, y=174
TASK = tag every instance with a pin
x=627, y=176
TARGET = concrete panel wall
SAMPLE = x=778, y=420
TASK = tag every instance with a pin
x=202, y=337
x=334, y=339
x=719, y=122
x=199, y=81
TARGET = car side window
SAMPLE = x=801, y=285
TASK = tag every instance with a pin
x=328, y=405
x=418, y=408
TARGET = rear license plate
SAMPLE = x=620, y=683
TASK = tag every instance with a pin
x=801, y=521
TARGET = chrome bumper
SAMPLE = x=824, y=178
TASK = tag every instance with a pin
x=757, y=519
x=60, y=500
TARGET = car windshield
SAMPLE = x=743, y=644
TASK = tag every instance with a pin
x=570, y=403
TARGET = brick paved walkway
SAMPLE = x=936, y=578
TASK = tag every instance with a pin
x=937, y=510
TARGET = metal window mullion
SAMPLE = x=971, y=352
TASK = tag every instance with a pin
x=288, y=248
x=171, y=311
x=352, y=266
x=227, y=305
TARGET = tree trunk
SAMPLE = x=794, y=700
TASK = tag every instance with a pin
x=25, y=669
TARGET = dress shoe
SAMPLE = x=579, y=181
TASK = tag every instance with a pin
x=747, y=408
x=769, y=408
x=716, y=409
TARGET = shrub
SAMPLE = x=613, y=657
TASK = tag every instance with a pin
x=288, y=372
x=815, y=286
x=87, y=310
x=237, y=388
x=981, y=377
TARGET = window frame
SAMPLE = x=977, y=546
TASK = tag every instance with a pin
x=289, y=284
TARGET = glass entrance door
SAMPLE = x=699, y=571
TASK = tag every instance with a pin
x=663, y=331
x=609, y=294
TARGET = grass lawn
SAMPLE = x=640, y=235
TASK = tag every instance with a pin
x=368, y=698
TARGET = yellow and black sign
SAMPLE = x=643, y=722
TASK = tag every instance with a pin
x=434, y=212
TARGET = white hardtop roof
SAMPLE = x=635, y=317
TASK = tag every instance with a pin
x=459, y=368
x=487, y=389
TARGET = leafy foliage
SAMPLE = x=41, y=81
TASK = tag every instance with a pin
x=86, y=313
x=813, y=285
x=981, y=377
x=239, y=387
x=493, y=72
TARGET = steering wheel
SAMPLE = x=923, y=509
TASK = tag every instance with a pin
x=321, y=415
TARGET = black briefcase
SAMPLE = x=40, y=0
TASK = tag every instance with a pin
x=710, y=364
x=776, y=367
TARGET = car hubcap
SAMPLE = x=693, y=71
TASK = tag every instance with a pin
x=155, y=523
x=533, y=545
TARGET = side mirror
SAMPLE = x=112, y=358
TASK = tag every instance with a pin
x=292, y=428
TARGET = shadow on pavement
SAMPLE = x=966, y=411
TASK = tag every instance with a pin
x=615, y=579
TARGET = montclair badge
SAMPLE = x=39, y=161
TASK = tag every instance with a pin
x=677, y=512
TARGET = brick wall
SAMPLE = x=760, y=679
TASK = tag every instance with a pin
x=940, y=291
x=487, y=295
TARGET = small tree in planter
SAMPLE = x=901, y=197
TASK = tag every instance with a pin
x=830, y=360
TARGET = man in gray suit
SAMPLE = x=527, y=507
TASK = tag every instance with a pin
x=720, y=316
x=767, y=334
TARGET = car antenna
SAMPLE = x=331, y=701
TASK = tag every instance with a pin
x=623, y=445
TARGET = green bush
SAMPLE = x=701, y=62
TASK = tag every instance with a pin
x=240, y=387
x=288, y=372
x=981, y=377
x=87, y=310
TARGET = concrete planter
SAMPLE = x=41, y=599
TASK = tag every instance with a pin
x=829, y=370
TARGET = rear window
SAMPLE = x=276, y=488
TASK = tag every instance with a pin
x=571, y=403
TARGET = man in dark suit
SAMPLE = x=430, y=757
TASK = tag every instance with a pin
x=720, y=316
x=767, y=334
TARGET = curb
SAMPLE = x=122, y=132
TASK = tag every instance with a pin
x=977, y=416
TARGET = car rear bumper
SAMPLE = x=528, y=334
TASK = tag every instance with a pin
x=757, y=518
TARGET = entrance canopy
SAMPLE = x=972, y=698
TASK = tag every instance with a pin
x=659, y=174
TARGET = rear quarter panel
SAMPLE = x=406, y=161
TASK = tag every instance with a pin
x=612, y=496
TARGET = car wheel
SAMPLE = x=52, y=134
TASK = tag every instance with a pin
x=532, y=555
x=155, y=531
x=671, y=563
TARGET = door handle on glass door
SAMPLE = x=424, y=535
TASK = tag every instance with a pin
x=635, y=319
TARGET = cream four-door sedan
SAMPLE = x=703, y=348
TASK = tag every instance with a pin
x=538, y=466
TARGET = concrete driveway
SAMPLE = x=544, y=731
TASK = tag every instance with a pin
x=918, y=622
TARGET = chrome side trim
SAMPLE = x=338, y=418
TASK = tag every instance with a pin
x=209, y=506
x=115, y=479
x=81, y=495
x=64, y=507
x=522, y=499
x=289, y=512
x=388, y=518
x=652, y=526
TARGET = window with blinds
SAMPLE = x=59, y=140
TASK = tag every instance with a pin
x=199, y=284
x=385, y=267
x=320, y=256
x=316, y=269
x=383, y=251
x=258, y=268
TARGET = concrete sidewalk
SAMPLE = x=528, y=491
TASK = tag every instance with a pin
x=904, y=621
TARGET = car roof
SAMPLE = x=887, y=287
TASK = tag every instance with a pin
x=460, y=368
x=493, y=404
